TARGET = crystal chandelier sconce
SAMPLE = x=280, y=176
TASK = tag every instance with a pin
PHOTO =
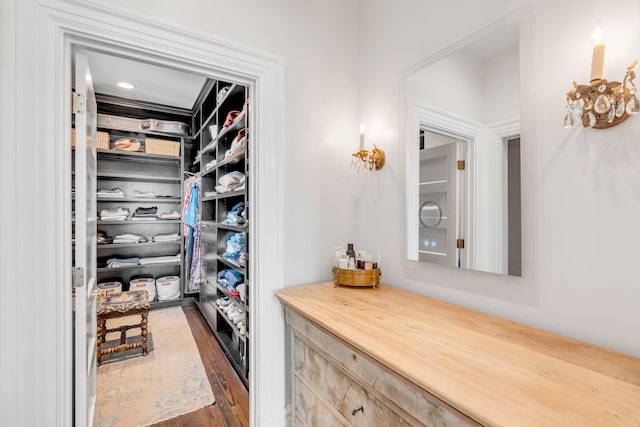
x=365, y=160
x=602, y=104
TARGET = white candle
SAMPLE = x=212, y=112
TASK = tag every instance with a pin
x=362, y=128
x=597, y=60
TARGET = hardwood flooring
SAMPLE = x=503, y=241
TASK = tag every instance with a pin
x=231, y=407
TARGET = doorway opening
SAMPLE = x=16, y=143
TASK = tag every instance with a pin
x=162, y=133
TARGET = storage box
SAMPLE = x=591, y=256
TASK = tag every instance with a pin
x=144, y=283
x=346, y=277
x=110, y=287
x=168, y=288
x=102, y=139
x=162, y=147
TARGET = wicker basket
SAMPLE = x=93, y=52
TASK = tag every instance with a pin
x=359, y=278
x=162, y=147
x=102, y=139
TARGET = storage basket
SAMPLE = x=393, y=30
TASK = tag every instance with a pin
x=114, y=287
x=346, y=277
x=168, y=288
x=102, y=139
x=142, y=284
x=162, y=147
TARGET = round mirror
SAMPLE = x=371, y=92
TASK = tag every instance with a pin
x=430, y=214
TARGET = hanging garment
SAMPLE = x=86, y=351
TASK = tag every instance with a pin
x=191, y=230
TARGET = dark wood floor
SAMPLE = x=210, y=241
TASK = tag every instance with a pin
x=231, y=407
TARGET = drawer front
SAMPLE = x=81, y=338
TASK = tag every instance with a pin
x=309, y=410
x=389, y=386
x=350, y=400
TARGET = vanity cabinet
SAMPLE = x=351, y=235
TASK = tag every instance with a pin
x=387, y=357
x=336, y=384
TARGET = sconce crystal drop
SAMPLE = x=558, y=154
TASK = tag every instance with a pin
x=602, y=104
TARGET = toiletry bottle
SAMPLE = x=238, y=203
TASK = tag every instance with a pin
x=350, y=252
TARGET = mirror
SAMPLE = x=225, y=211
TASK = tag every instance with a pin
x=463, y=164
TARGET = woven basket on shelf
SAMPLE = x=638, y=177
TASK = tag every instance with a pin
x=346, y=277
x=102, y=139
x=162, y=147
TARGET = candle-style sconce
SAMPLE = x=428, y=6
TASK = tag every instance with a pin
x=602, y=104
x=365, y=160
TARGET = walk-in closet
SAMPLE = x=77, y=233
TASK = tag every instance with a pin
x=169, y=181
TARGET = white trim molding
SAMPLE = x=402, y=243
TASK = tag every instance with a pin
x=506, y=128
x=37, y=168
x=423, y=115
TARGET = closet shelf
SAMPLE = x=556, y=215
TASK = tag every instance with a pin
x=226, y=293
x=140, y=199
x=231, y=350
x=239, y=228
x=229, y=322
x=224, y=195
x=137, y=245
x=232, y=264
x=146, y=222
x=138, y=266
x=238, y=124
x=234, y=90
x=231, y=160
x=139, y=178
x=136, y=157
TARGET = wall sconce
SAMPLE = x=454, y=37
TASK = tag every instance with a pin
x=602, y=104
x=365, y=160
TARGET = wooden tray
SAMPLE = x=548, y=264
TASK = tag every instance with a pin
x=359, y=278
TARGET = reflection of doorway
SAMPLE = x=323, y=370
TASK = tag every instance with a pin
x=441, y=201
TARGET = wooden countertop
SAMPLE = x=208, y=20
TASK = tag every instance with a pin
x=498, y=372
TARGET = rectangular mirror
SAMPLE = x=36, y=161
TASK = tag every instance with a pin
x=463, y=170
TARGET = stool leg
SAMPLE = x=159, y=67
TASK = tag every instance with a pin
x=102, y=333
x=144, y=332
x=123, y=335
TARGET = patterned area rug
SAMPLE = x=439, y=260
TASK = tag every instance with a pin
x=170, y=381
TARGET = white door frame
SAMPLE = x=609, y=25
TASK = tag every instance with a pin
x=422, y=115
x=39, y=48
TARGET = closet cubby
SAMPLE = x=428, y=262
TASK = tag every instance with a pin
x=214, y=159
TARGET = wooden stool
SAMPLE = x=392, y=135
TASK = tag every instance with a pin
x=113, y=306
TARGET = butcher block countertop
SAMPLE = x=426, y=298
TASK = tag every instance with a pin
x=497, y=372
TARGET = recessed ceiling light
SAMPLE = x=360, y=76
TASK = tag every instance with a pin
x=125, y=85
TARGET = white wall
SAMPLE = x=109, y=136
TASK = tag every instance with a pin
x=321, y=124
x=318, y=42
x=580, y=200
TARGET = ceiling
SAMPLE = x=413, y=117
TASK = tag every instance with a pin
x=152, y=83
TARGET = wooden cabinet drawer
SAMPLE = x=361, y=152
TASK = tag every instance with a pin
x=311, y=411
x=402, y=396
x=341, y=393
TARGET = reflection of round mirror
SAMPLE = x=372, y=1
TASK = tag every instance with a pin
x=430, y=214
